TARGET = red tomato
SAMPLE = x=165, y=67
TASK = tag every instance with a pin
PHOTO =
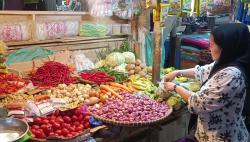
x=79, y=128
x=76, y=123
x=80, y=117
x=59, y=132
x=59, y=120
x=56, y=126
x=67, y=119
x=65, y=125
x=65, y=132
x=86, y=125
x=69, y=135
x=86, y=118
x=40, y=134
x=74, y=118
x=52, y=117
x=52, y=121
x=71, y=129
x=52, y=134
x=37, y=120
x=35, y=127
x=47, y=128
x=74, y=133
x=56, y=113
x=45, y=121
x=78, y=111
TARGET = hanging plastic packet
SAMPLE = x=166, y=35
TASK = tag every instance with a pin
x=218, y=6
x=203, y=7
x=187, y=6
x=175, y=7
x=122, y=8
x=100, y=8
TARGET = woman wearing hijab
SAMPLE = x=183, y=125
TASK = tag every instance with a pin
x=220, y=101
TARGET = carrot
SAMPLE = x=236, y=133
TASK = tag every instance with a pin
x=103, y=91
x=121, y=86
x=107, y=88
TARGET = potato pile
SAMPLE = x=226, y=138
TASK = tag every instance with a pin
x=138, y=68
x=83, y=94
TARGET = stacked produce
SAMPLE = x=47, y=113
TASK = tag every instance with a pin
x=64, y=125
x=3, y=67
x=143, y=84
x=97, y=77
x=138, y=68
x=52, y=74
x=132, y=109
x=74, y=94
x=17, y=98
x=10, y=83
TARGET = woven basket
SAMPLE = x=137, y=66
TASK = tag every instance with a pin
x=133, y=124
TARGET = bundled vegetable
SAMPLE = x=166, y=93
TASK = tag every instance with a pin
x=52, y=74
x=10, y=83
x=132, y=109
x=143, y=84
x=97, y=77
x=119, y=76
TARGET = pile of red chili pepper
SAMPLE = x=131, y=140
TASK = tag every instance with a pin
x=10, y=83
x=97, y=77
x=51, y=74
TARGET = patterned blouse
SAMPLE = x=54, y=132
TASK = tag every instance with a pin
x=219, y=105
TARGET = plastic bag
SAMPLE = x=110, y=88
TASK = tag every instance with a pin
x=175, y=7
x=15, y=31
x=218, y=6
x=187, y=6
x=28, y=54
x=56, y=29
x=100, y=8
x=122, y=8
x=94, y=30
x=81, y=61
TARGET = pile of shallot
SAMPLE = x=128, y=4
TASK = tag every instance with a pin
x=132, y=108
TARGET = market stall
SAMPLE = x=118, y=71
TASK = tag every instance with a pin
x=78, y=76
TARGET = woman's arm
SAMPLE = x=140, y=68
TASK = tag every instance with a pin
x=187, y=73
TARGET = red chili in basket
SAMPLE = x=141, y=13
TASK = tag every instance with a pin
x=52, y=74
x=97, y=77
x=10, y=83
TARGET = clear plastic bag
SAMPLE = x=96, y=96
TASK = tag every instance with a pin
x=19, y=31
x=100, y=8
x=56, y=29
x=81, y=61
x=218, y=6
x=122, y=8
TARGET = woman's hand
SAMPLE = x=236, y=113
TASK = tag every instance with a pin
x=169, y=86
x=171, y=76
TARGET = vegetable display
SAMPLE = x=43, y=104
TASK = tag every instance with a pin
x=97, y=77
x=132, y=109
x=10, y=83
x=60, y=124
x=52, y=74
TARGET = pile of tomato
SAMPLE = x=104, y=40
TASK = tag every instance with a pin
x=60, y=124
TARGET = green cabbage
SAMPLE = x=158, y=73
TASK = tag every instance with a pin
x=115, y=59
x=129, y=57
